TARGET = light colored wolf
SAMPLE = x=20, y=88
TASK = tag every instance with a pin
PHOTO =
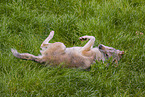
x=75, y=57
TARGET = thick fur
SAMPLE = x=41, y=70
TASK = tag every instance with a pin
x=74, y=57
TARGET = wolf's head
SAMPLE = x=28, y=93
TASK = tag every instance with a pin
x=111, y=52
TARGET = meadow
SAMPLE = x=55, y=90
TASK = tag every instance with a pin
x=24, y=24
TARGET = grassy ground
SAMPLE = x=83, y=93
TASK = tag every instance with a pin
x=24, y=24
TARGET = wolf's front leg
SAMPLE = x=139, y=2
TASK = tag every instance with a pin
x=90, y=43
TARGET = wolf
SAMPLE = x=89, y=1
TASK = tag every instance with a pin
x=57, y=53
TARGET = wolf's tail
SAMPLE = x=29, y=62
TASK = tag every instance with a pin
x=26, y=56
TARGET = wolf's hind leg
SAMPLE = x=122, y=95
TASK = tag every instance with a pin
x=46, y=41
x=27, y=56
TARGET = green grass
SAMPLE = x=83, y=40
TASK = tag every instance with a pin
x=24, y=24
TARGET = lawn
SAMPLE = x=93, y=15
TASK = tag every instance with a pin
x=24, y=24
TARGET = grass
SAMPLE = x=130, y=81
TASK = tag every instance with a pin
x=24, y=24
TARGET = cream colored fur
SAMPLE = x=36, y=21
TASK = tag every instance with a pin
x=74, y=57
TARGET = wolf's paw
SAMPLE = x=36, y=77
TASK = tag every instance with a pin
x=83, y=38
x=52, y=32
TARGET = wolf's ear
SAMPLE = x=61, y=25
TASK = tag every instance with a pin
x=116, y=61
x=121, y=52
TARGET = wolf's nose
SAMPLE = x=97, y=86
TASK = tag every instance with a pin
x=100, y=46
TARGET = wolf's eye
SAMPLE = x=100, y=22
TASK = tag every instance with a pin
x=106, y=55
